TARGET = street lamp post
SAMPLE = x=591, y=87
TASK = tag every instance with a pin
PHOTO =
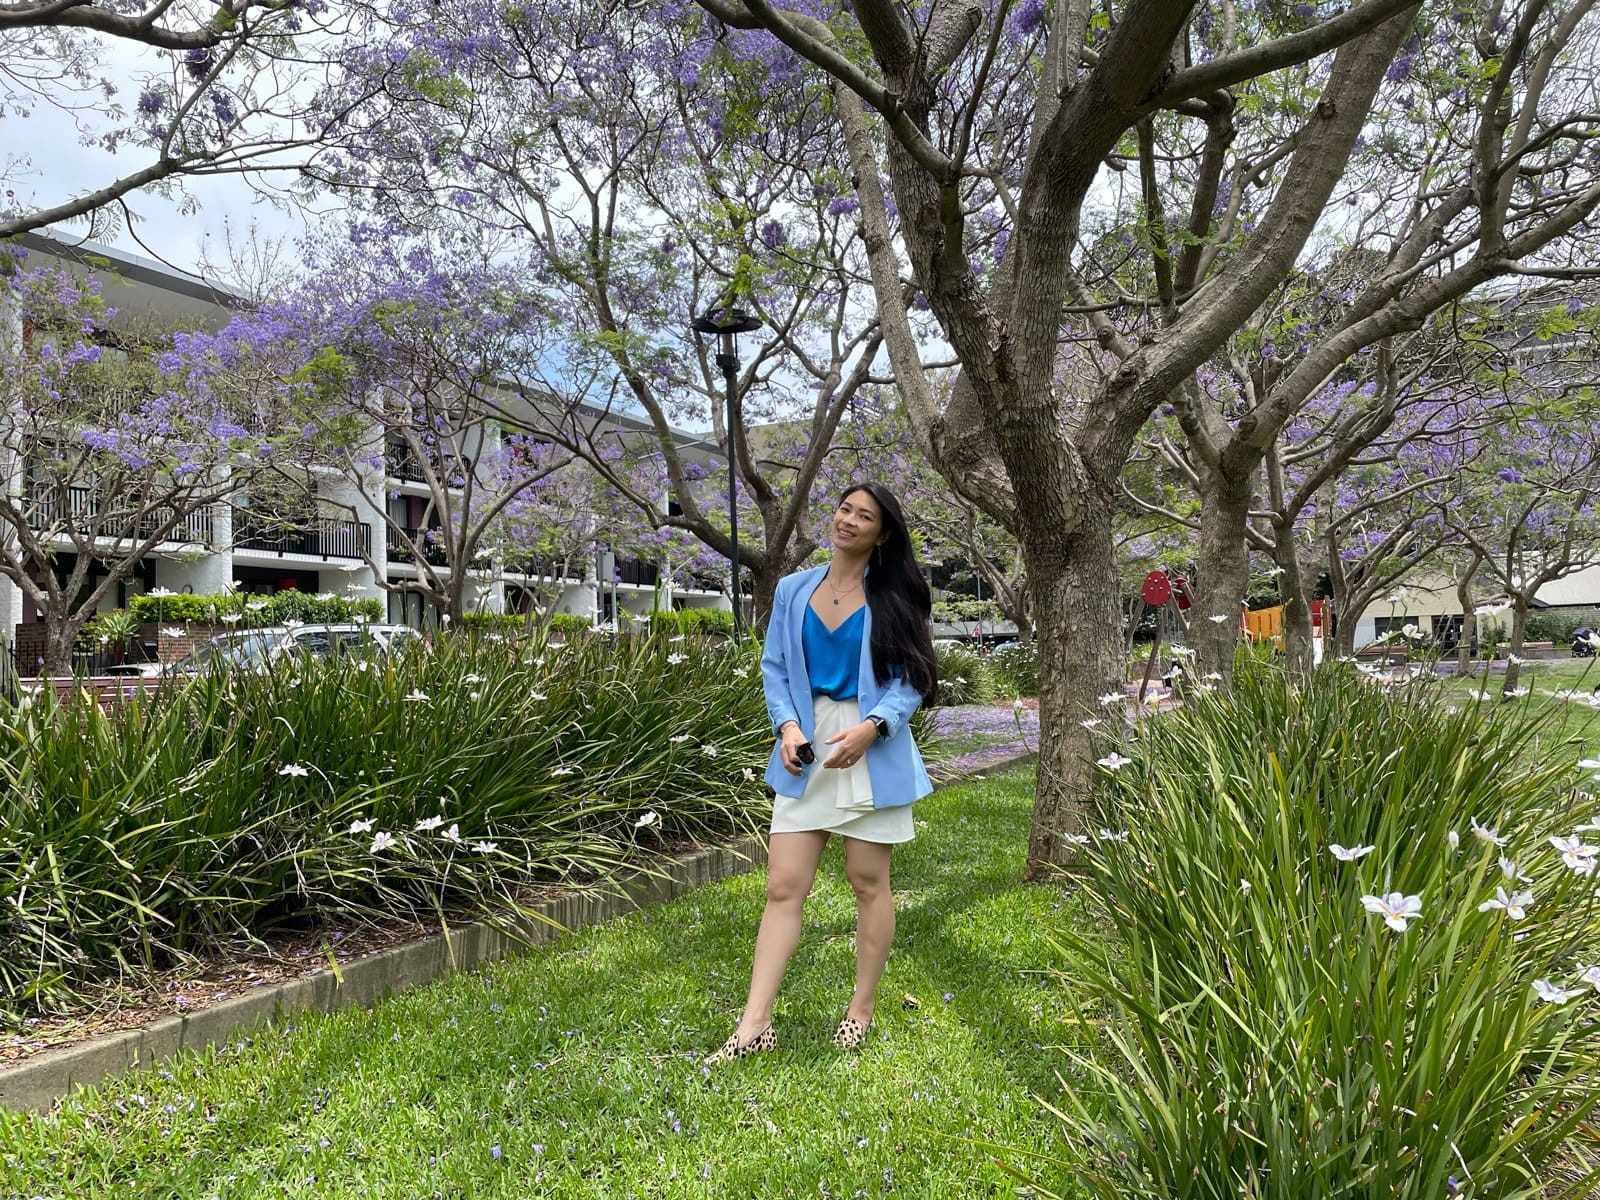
x=727, y=324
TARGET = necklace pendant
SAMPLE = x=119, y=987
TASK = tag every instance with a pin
x=836, y=602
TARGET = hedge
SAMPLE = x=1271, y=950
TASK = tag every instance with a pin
x=252, y=610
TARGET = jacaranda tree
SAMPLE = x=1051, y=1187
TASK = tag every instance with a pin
x=118, y=444
x=1235, y=128
x=650, y=173
x=415, y=350
x=176, y=90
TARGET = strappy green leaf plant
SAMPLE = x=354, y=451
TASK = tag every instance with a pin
x=442, y=780
x=1355, y=955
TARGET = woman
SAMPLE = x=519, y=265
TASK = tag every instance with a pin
x=849, y=657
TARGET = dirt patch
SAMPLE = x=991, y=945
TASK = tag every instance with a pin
x=119, y=1005
x=279, y=957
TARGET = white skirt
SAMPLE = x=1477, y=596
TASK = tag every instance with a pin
x=839, y=799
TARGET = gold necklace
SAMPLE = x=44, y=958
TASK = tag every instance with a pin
x=828, y=579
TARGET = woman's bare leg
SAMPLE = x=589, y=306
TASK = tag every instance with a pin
x=866, y=864
x=792, y=860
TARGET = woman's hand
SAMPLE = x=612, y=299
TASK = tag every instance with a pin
x=792, y=739
x=852, y=744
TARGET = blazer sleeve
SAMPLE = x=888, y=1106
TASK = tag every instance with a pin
x=898, y=702
x=775, y=666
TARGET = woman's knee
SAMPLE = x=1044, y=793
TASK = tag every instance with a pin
x=868, y=884
x=788, y=887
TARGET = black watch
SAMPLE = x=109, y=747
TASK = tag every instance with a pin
x=883, y=726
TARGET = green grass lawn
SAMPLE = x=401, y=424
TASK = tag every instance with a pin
x=1572, y=725
x=574, y=1071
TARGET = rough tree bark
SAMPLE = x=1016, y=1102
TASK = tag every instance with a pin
x=1224, y=566
x=1469, y=615
x=1520, y=603
x=1298, y=632
x=1076, y=606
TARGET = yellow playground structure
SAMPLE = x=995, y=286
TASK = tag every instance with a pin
x=1265, y=624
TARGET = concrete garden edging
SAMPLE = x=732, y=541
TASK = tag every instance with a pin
x=37, y=1083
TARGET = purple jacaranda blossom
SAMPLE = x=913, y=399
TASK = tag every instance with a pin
x=197, y=62
x=1028, y=16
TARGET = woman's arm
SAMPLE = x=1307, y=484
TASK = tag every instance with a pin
x=898, y=702
x=774, y=662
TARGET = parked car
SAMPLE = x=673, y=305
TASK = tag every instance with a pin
x=258, y=649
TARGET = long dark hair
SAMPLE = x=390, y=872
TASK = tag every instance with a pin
x=902, y=638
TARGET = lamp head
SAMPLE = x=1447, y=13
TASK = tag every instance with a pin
x=726, y=323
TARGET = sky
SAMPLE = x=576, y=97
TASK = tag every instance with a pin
x=44, y=161
x=163, y=229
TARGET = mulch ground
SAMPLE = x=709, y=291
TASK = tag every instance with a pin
x=117, y=1006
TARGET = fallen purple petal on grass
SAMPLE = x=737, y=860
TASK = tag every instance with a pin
x=978, y=760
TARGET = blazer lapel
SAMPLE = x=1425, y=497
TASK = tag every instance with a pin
x=866, y=681
x=799, y=676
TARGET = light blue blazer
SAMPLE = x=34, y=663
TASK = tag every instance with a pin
x=893, y=763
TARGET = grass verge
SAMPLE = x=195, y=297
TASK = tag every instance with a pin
x=1561, y=686
x=575, y=1071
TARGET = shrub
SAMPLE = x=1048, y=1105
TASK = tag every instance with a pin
x=565, y=624
x=697, y=621
x=570, y=625
x=221, y=806
x=1558, y=625
x=499, y=622
x=1269, y=1034
x=254, y=611
x=118, y=626
x=964, y=675
x=1015, y=667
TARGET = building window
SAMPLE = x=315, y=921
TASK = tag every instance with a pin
x=1385, y=625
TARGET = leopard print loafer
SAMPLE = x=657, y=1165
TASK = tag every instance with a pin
x=731, y=1049
x=851, y=1034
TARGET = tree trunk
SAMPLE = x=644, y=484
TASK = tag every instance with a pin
x=1024, y=628
x=1469, y=620
x=60, y=634
x=1519, y=630
x=1344, y=642
x=1224, y=570
x=455, y=596
x=765, y=584
x=1078, y=626
x=1300, y=654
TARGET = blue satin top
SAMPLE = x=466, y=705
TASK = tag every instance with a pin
x=833, y=656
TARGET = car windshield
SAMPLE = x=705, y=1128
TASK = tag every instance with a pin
x=234, y=649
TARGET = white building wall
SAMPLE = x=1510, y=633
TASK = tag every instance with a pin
x=1434, y=595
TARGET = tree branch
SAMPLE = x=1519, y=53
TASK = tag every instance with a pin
x=1265, y=57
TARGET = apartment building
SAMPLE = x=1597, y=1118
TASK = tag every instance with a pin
x=358, y=532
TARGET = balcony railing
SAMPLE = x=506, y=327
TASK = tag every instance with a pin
x=549, y=568
x=325, y=537
x=84, y=511
x=402, y=462
x=637, y=571
x=432, y=551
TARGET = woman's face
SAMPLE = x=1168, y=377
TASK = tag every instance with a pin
x=858, y=523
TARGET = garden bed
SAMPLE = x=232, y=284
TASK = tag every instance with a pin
x=328, y=795
x=553, y=1074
